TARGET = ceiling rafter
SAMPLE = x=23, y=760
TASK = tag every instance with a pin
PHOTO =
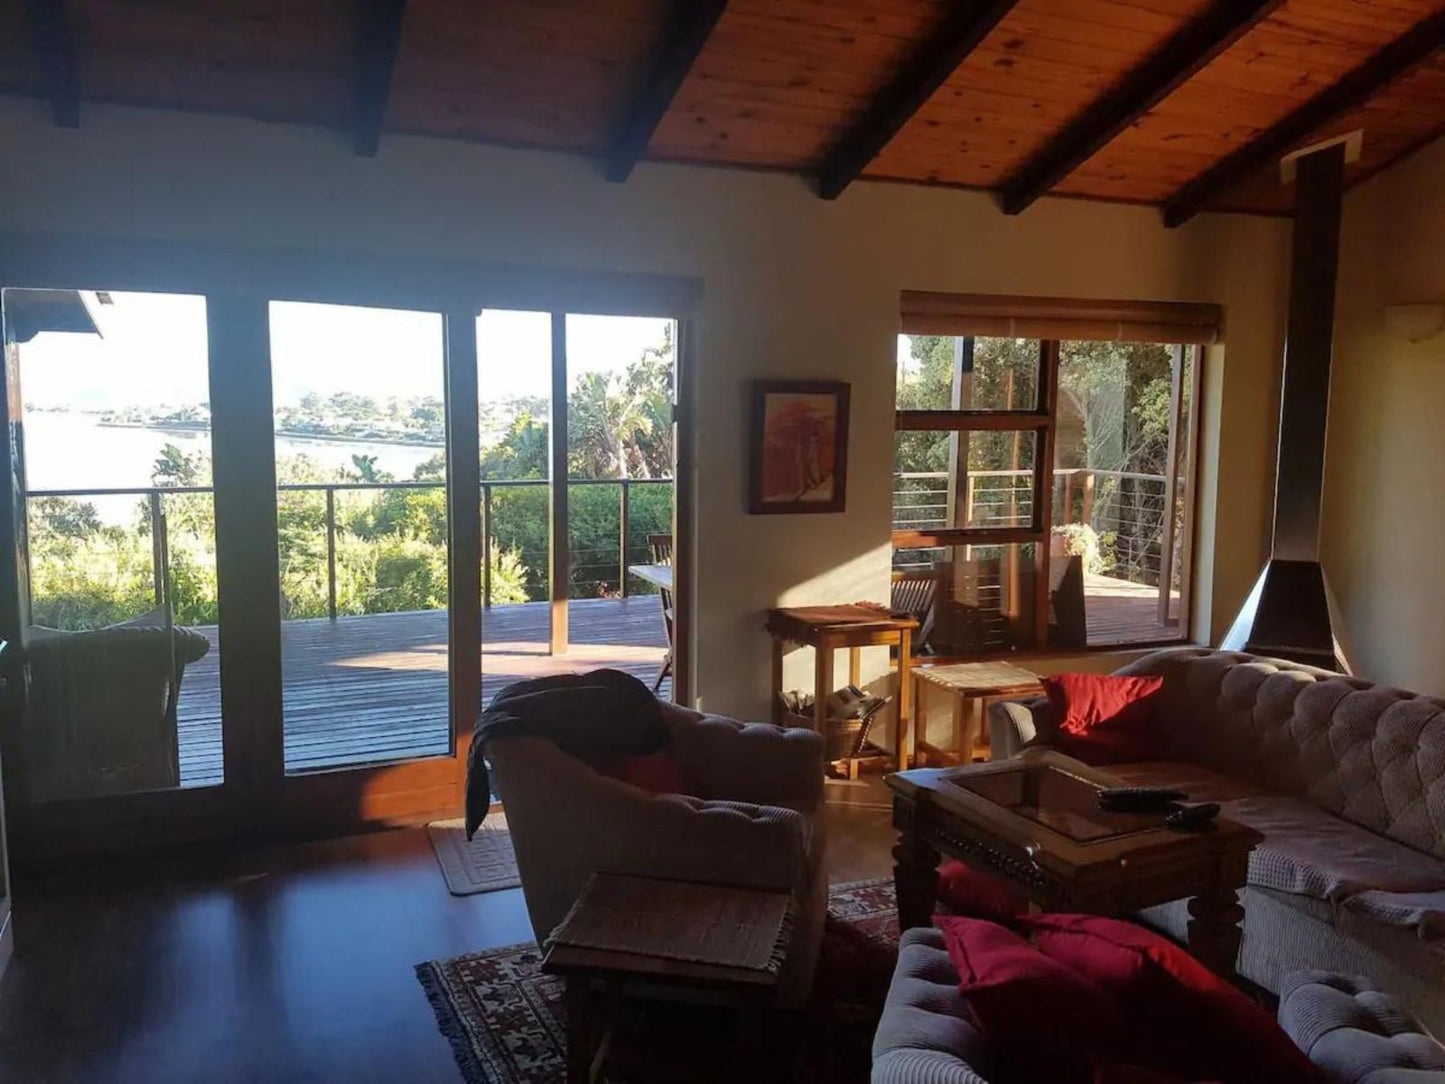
x=927, y=70
x=1354, y=89
x=379, y=41
x=1174, y=63
x=55, y=47
x=692, y=25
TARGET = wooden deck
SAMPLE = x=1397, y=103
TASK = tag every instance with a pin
x=362, y=690
x=1120, y=612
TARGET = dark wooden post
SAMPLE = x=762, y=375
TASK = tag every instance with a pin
x=560, y=565
x=464, y=527
x=331, y=551
x=247, y=574
x=622, y=511
x=486, y=546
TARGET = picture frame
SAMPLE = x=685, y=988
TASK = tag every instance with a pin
x=798, y=447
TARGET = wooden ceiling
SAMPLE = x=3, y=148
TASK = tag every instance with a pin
x=1186, y=104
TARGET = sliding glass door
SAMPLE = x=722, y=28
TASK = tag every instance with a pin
x=577, y=463
x=110, y=402
x=362, y=531
x=256, y=542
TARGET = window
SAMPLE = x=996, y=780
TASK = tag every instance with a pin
x=1043, y=471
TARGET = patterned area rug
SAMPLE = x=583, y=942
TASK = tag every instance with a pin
x=485, y=864
x=504, y=1018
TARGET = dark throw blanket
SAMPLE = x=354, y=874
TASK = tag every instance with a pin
x=604, y=713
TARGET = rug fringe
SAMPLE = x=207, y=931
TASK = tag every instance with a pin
x=449, y=1023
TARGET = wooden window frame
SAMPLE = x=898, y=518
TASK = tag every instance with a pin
x=1182, y=457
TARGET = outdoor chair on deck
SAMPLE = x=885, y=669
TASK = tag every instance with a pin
x=913, y=595
x=102, y=709
x=660, y=546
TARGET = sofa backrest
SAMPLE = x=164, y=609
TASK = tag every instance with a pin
x=1372, y=754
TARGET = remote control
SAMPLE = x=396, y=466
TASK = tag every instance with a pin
x=1138, y=799
x=1193, y=816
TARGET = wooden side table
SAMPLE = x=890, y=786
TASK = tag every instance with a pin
x=624, y=939
x=972, y=686
x=827, y=628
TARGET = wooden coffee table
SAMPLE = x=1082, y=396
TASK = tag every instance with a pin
x=1032, y=821
x=644, y=924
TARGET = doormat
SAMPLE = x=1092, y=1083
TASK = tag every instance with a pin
x=485, y=864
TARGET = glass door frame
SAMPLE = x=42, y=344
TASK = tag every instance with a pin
x=257, y=801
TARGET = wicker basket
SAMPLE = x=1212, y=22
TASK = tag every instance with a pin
x=842, y=738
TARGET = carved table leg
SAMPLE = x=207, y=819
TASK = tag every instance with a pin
x=580, y=1008
x=915, y=880
x=1215, y=917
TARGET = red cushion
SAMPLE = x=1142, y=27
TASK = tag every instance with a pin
x=656, y=773
x=968, y=891
x=1106, y=718
x=1184, y=1019
x=1018, y=996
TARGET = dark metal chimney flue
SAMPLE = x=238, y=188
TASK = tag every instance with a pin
x=1291, y=613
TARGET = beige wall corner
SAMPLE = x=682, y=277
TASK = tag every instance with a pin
x=1384, y=512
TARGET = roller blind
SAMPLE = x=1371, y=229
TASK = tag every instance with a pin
x=926, y=313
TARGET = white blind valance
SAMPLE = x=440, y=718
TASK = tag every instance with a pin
x=927, y=313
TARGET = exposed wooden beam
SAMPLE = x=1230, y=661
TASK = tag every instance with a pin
x=1391, y=62
x=55, y=48
x=380, y=23
x=692, y=25
x=1195, y=44
x=967, y=24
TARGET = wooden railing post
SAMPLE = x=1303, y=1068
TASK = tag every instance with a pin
x=1068, y=497
x=331, y=552
x=622, y=508
x=486, y=546
x=1086, y=514
x=159, y=557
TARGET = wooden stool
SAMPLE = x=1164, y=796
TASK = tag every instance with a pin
x=973, y=686
x=827, y=628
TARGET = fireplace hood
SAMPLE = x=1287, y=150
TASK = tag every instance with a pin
x=1291, y=613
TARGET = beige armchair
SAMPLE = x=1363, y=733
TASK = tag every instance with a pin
x=756, y=821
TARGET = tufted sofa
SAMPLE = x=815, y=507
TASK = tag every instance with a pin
x=756, y=820
x=1345, y=779
x=1354, y=1033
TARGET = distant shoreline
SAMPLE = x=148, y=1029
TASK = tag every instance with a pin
x=290, y=434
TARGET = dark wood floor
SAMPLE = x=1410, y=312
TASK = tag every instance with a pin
x=284, y=964
x=362, y=690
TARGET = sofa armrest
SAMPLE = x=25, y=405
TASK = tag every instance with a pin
x=1355, y=1033
x=749, y=762
x=1017, y=724
x=926, y=1034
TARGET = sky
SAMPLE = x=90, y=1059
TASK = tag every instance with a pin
x=152, y=351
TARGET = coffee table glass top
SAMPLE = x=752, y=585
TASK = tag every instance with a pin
x=1056, y=798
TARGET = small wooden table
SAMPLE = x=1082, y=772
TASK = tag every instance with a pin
x=827, y=628
x=660, y=576
x=598, y=979
x=1032, y=821
x=972, y=686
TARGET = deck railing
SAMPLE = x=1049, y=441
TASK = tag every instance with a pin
x=1125, y=509
x=594, y=563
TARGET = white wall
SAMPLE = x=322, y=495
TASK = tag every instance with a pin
x=794, y=287
x=1384, y=512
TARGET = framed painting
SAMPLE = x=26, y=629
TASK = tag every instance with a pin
x=799, y=447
